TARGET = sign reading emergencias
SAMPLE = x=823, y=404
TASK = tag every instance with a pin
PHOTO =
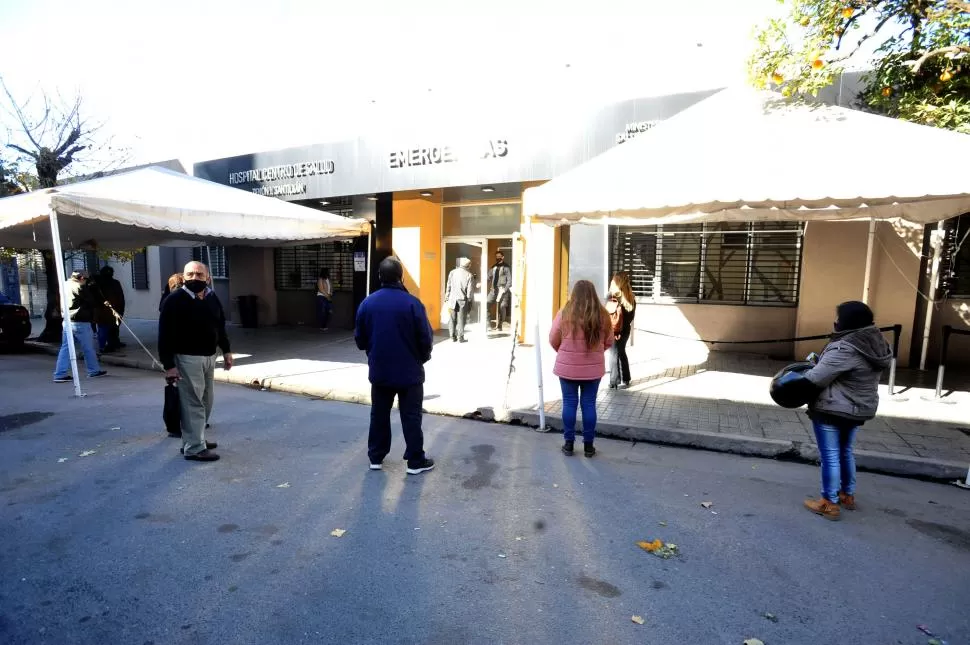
x=434, y=155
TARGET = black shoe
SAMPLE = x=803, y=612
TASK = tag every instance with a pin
x=205, y=455
x=567, y=448
x=209, y=445
x=63, y=379
x=174, y=435
x=420, y=466
x=98, y=374
x=376, y=465
x=462, y=340
x=612, y=386
x=207, y=426
x=588, y=449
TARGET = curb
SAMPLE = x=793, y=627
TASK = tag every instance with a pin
x=878, y=462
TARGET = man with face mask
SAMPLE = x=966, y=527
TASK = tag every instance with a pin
x=191, y=327
x=500, y=289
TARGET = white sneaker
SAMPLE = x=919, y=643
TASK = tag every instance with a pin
x=376, y=467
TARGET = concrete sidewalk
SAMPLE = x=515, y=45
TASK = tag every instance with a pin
x=682, y=395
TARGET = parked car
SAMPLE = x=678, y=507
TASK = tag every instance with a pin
x=14, y=323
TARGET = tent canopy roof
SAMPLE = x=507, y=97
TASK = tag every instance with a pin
x=158, y=206
x=745, y=155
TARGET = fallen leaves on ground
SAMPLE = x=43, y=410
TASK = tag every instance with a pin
x=754, y=641
x=637, y=619
x=707, y=504
x=62, y=460
x=770, y=616
x=338, y=532
x=88, y=453
x=659, y=548
x=662, y=523
x=284, y=485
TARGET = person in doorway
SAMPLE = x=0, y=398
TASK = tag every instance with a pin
x=324, y=299
x=393, y=328
x=580, y=334
x=847, y=377
x=459, y=291
x=500, y=289
x=192, y=326
x=83, y=303
x=109, y=329
x=621, y=294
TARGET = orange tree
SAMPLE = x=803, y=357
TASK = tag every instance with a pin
x=919, y=71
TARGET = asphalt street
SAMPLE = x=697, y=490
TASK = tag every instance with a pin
x=507, y=541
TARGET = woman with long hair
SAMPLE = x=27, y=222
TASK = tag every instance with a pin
x=580, y=334
x=324, y=299
x=621, y=295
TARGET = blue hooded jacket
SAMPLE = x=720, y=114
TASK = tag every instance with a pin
x=392, y=327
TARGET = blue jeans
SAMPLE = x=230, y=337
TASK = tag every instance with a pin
x=324, y=307
x=580, y=394
x=838, y=462
x=104, y=333
x=84, y=336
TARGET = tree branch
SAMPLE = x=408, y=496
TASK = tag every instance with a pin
x=32, y=155
x=19, y=113
x=918, y=63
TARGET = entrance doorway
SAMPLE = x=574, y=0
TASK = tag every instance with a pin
x=482, y=315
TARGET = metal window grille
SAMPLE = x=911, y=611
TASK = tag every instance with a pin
x=298, y=267
x=139, y=271
x=215, y=258
x=733, y=262
x=955, y=269
x=33, y=282
x=83, y=261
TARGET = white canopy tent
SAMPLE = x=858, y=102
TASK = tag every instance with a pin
x=156, y=206
x=744, y=155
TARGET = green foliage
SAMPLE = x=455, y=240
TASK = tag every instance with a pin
x=920, y=68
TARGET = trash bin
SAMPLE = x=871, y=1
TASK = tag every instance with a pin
x=248, y=311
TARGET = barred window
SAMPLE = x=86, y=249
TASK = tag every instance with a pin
x=298, y=267
x=741, y=263
x=955, y=269
x=139, y=271
x=215, y=258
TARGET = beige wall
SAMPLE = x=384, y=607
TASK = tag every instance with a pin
x=833, y=270
x=251, y=272
x=718, y=322
x=141, y=303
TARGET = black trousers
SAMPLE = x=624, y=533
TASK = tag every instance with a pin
x=409, y=400
x=619, y=363
x=456, y=325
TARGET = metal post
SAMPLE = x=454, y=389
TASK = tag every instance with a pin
x=368, y=258
x=533, y=290
x=869, y=249
x=937, y=242
x=947, y=329
x=897, y=331
x=65, y=305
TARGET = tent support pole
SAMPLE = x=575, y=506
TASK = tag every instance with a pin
x=937, y=242
x=367, y=292
x=65, y=305
x=869, y=250
x=533, y=289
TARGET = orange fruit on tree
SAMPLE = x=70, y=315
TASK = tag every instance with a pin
x=847, y=12
x=818, y=63
x=946, y=75
x=887, y=91
x=777, y=78
x=804, y=21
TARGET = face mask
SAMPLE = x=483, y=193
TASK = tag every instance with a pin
x=195, y=286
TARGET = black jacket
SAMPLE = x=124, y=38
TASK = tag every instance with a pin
x=190, y=326
x=83, y=301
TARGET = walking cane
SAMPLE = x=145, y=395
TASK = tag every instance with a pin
x=120, y=319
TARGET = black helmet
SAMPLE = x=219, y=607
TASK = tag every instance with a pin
x=790, y=389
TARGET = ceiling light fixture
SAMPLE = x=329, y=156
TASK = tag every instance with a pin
x=426, y=193
x=324, y=202
x=372, y=198
x=488, y=189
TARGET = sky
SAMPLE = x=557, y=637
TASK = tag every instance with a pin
x=206, y=79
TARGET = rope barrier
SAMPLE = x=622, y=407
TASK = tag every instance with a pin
x=892, y=328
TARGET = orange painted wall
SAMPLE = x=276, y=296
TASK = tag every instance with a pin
x=416, y=240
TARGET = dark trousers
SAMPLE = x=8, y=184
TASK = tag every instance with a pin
x=501, y=311
x=619, y=363
x=324, y=307
x=456, y=324
x=409, y=400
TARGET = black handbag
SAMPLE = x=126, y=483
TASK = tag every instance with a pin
x=171, y=412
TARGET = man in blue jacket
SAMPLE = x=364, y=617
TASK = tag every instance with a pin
x=392, y=327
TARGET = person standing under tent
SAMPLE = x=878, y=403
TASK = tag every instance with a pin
x=81, y=308
x=324, y=299
x=621, y=295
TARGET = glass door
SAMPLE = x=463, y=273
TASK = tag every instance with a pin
x=474, y=250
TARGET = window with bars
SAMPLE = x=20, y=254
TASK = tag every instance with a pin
x=955, y=269
x=139, y=271
x=298, y=267
x=215, y=258
x=739, y=263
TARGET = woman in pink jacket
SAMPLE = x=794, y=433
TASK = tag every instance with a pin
x=580, y=334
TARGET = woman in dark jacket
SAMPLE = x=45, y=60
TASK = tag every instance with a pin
x=847, y=376
x=622, y=294
x=175, y=283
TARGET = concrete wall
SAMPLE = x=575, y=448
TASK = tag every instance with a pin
x=718, y=322
x=587, y=257
x=416, y=240
x=833, y=270
x=140, y=303
x=251, y=273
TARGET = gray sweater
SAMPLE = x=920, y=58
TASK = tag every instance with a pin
x=848, y=374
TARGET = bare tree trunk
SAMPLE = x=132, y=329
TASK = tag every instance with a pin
x=52, y=314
